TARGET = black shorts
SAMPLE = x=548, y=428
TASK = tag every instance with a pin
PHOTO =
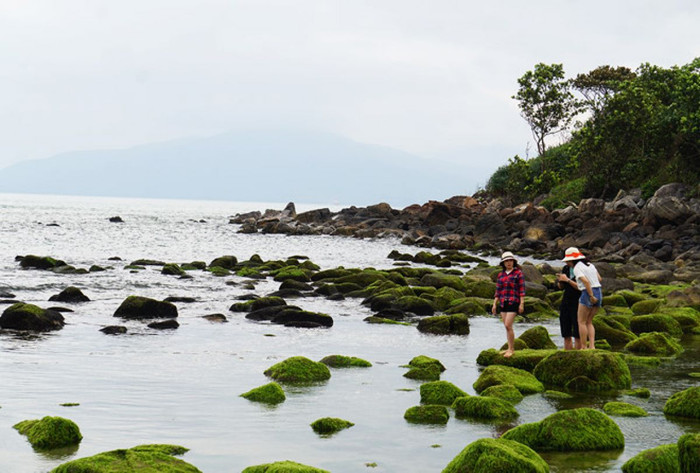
x=568, y=320
x=510, y=306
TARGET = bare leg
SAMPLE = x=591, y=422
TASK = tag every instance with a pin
x=508, y=318
x=589, y=326
x=577, y=344
x=582, y=328
x=568, y=345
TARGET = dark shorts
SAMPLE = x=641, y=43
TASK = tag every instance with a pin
x=568, y=320
x=509, y=306
x=585, y=300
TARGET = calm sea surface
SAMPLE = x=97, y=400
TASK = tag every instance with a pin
x=183, y=386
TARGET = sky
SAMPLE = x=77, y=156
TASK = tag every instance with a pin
x=433, y=78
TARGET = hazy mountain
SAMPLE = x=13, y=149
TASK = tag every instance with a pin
x=246, y=166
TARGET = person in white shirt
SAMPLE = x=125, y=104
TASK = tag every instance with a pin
x=588, y=282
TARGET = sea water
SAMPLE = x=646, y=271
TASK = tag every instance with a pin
x=183, y=386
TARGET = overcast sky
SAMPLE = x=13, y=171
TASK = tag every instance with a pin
x=434, y=78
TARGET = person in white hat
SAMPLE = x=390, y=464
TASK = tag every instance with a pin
x=588, y=282
x=568, y=309
x=509, y=298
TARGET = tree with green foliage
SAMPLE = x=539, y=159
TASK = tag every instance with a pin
x=546, y=103
x=598, y=85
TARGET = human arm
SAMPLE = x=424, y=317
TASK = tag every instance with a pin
x=521, y=293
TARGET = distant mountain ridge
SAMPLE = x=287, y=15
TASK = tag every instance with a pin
x=246, y=166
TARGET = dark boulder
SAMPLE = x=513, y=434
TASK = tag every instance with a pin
x=138, y=307
x=21, y=316
x=164, y=325
x=40, y=262
x=113, y=330
x=70, y=294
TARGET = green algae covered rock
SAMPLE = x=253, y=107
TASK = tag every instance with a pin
x=551, y=394
x=270, y=393
x=257, y=304
x=656, y=323
x=30, y=317
x=457, y=324
x=689, y=453
x=440, y=393
x=523, y=359
x=439, y=280
x=537, y=338
x=445, y=296
x=685, y=403
x=584, y=370
x=655, y=343
x=497, y=455
x=298, y=369
x=537, y=309
x=624, y=409
x=571, y=430
x=341, y=361
x=421, y=361
x=141, y=459
x=613, y=330
x=172, y=269
x=523, y=381
x=427, y=414
x=50, y=432
x=415, y=305
x=507, y=392
x=330, y=425
x=283, y=467
x=226, y=262
x=139, y=307
x=481, y=288
x=615, y=300
x=484, y=407
x=638, y=392
x=424, y=373
x=636, y=360
x=631, y=297
x=661, y=459
x=648, y=306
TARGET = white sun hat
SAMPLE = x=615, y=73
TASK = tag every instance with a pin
x=507, y=255
x=572, y=254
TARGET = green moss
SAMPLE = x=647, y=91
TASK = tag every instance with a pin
x=631, y=297
x=685, y=403
x=650, y=361
x=363, y=278
x=523, y=381
x=256, y=304
x=571, y=430
x=537, y=338
x=172, y=269
x=438, y=280
x=481, y=288
x=270, y=393
x=341, y=361
x=219, y=271
x=298, y=369
x=646, y=307
x=424, y=373
x=484, y=407
x=382, y=320
x=689, y=453
x=551, y=394
x=427, y=414
x=292, y=272
x=226, y=262
x=638, y=392
x=283, y=467
x=250, y=272
x=584, y=370
x=421, y=361
x=656, y=323
x=624, y=409
x=50, y=432
x=138, y=307
x=415, y=305
x=457, y=324
x=523, y=359
x=330, y=425
x=537, y=309
x=616, y=300
x=507, y=392
x=469, y=306
x=661, y=459
x=141, y=459
x=497, y=455
x=445, y=296
x=612, y=330
x=655, y=343
x=440, y=393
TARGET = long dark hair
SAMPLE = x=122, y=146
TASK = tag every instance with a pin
x=515, y=265
x=584, y=261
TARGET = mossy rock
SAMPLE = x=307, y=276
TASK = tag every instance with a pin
x=522, y=359
x=689, y=453
x=298, y=369
x=330, y=425
x=571, y=430
x=172, y=269
x=50, y=432
x=481, y=288
x=427, y=414
x=383, y=320
x=29, y=317
x=332, y=274
x=70, y=294
x=687, y=317
x=655, y=343
x=445, y=296
x=141, y=459
x=293, y=273
x=457, y=324
x=438, y=280
x=551, y=394
x=227, y=262
x=424, y=373
x=469, y=306
x=484, y=407
x=523, y=381
x=624, y=409
x=270, y=393
x=584, y=370
x=421, y=361
x=631, y=297
x=615, y=300
x=661, y=459
x=685, y=403
x=636, y=360
x=644, y=307
x=283, y=467
x=537, y=309
x=507, y=392
x=138, y=307
x=257, y=304
x=415, y=305
x=342, y=361
x=40, y=262
x=656, y=323
x=220, y=272
x=440, y=393
x=363, y=278
x=610, y=329
x=537, y=338
x=644, y=393
x=497, y=455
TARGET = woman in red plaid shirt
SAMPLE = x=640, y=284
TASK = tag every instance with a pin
x=510, y=296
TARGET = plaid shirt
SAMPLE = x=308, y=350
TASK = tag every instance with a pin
x=510, y=287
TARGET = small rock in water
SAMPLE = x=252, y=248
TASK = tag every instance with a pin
x=220, y=318
x=116, y=219
x=113, y=330
x=164, y=325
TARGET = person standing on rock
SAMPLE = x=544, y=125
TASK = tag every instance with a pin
x=568, y=309
x=510, y=297
x=588, y=282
